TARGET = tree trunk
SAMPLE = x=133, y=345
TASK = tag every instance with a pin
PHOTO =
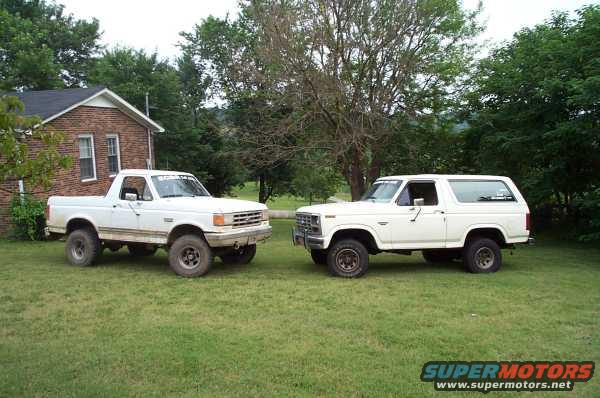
x=356, y=180
x=262, y=189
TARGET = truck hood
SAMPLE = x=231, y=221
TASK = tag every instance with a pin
x=347, y=208
x=206, y=204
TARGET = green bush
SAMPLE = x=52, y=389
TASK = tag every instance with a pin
x=589, y=206
x=27, y=214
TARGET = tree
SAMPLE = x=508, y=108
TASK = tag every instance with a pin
x=348, y=69
x=41, y=47
x=223, y=54
x=17, y=161
x=534, y=111
x=315, y=183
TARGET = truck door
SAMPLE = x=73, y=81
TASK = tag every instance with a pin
x=419, y=226
x=126, y=214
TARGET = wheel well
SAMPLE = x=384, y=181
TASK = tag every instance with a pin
x=361, y=235
x=79, y=223
x=490, y=233
x=185, y=229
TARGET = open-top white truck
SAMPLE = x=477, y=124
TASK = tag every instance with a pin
x=447, y=217
x=148, y=209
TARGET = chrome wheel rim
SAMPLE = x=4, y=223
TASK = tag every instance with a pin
x=347, y=260
x=484, y=257
x=78, y=249
x=189, y=257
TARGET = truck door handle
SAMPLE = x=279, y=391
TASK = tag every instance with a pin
x=439, y=212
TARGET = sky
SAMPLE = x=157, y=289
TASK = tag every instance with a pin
x=155, y=24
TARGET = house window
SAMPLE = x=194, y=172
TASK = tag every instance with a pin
x=113, y=154
x=87, y=161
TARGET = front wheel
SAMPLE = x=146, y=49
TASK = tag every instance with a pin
x=190, y=256
x=482, y=255
x=348, y=258
x=83, y=247
x=243, y=255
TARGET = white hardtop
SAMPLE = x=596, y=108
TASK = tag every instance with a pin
x=150, y=173
x=444, y=177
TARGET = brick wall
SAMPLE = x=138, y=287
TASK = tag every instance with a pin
x=133, y=148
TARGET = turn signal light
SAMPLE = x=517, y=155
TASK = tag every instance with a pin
x=47, y=213
x=218, y=219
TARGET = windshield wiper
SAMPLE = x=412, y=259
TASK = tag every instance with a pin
x=172, y=196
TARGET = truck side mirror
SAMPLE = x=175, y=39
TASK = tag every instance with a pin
x=131, y=197
x=419, y=202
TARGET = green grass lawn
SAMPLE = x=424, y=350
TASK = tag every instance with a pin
x=283, y=202
x=281, y=326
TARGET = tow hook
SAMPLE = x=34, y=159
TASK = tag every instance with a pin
x=236, y=246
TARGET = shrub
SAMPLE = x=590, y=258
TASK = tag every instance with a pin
x=27, y=214
x=589, y=206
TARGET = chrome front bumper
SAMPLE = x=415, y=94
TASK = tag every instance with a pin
x=239, y=238
x=302, y=238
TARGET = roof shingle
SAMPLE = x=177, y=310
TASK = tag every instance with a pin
x=48, y=103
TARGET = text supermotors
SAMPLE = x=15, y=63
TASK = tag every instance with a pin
x=506, y=376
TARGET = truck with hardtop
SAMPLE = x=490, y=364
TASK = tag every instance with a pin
x=446, y=217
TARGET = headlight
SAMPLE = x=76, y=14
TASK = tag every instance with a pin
x=222, y=219
x=265, y=215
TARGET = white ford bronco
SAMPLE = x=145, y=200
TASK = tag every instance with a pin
x=446, y=217
x=148, y=209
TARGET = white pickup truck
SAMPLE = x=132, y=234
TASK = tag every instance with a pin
x=447, y=217
x=148, y=209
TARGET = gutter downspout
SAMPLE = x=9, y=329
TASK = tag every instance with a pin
x=149, y=160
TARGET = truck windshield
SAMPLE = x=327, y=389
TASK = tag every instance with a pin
x=174, y=186
x=382, y=191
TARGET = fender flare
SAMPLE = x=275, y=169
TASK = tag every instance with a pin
x=363, y=227
x=473, y=227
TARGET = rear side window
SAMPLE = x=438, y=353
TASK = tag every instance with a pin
x=473, y=191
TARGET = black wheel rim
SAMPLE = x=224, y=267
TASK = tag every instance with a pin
x=189, y=257
x=347, y=260
x=484, y=257
x=78, y=249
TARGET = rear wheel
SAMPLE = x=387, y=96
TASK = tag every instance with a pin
x=440, y=256
x=141, y=249
x=482, y=255
x=243, y=255
x=348, y=258
x=318, y=256
x=83, y=247
x=190, y=256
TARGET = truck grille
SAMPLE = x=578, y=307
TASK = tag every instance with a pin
x=304, y=222
x=246, y=219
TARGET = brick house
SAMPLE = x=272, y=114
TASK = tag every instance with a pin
x=103, y=134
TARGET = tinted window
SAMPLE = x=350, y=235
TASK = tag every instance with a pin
x=481, y=191
x=418, y=190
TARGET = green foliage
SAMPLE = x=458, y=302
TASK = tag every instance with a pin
x=315, y=183
x=192, y=141
x=41, y=47
x=220, y=55
x=589, y=206
x=27, y=214
x=534, y=113
x=16, y=132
